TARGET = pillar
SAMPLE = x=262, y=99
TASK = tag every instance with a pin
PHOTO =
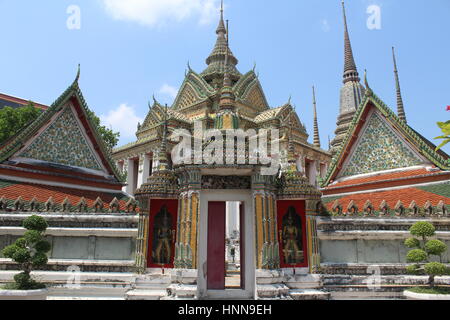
x=267, y=246
x=187, y=235
x=312, y=213
x=131, y=179
x=143, y=234
x=146, y=168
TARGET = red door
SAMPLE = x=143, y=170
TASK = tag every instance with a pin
x=216, y=246
x=242, y=243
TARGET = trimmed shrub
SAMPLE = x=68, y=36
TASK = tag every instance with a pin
x=435, y=247
x=422, y=250
x=412, y=243
x=423, y=229
x=416, y=255
x=29, y=252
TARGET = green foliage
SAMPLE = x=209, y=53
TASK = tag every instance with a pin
x=40, y=259
x=25, y=282
x=110, y=137
x=35, y=223
x=32, y=236
x=420, y=256
x=423, y=229
x=445, y=127
x=21, y=255
x=416, y=255
x=13, y=120
x=30, y=252
x=414, y=269
x=435, y=269
x=412, y=243
x=9, y=251
x=21, y=243
x=43, y=246
x=435, y=247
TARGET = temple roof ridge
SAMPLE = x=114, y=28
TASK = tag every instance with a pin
x=422, y=145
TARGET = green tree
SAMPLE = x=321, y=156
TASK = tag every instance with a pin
x=423, y=249
x=445, y=127
x=13, y=120
x=30, y=252
x=110, y=137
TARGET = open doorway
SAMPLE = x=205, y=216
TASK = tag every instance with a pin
x=226, y=253
x=233, y=279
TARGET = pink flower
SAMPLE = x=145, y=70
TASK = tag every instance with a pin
x=448, y=108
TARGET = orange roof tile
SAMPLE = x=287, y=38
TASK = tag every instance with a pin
x=388, y=177
x=406, y=195
x=13, y=190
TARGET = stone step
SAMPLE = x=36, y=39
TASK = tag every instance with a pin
x=309, y=294
x=88, y=291
x=183, y=291
x=147, y=295
x=404, y=280
x=57, y=298
x=272, y=291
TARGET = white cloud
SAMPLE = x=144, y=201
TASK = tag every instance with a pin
x=325, y=25
x=169, y=91
x=124, y=120
x=161, y=12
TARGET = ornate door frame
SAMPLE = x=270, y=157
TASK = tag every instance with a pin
x=245, y=196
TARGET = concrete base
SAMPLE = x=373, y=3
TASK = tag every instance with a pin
x=423, y=296
x=309, y=295
x=152, y=286
x=23, y=295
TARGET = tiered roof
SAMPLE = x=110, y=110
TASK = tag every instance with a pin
x=62, y=157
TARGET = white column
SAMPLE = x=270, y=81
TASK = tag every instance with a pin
x=232, y=216
x=131, y=182
x=146, y=169
x=300, y=163
x=313, y=173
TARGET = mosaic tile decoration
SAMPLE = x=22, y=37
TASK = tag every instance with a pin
x=63, y=143
x=379, y=149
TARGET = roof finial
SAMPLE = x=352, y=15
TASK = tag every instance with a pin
x=226, y=77
x=78, y=73
x=316, y=122
x=350, y=70
x=221, y=27
x=400, y=108
x=366, y=83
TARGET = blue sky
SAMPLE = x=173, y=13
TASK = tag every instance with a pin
x=130, y=50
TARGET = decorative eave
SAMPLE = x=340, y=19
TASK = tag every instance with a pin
x=417, y=141
x=245, y=84
x=74, y=95
x=202, y=89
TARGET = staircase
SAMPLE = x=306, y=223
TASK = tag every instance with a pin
x=149, y=287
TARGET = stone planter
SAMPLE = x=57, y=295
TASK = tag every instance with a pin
x=23, y=294
x=425, y=296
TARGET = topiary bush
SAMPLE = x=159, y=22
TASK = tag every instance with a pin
x=422, y=250
x=30, y=252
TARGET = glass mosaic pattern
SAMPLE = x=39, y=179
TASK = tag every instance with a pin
x=379, y=149
x=63, y=142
